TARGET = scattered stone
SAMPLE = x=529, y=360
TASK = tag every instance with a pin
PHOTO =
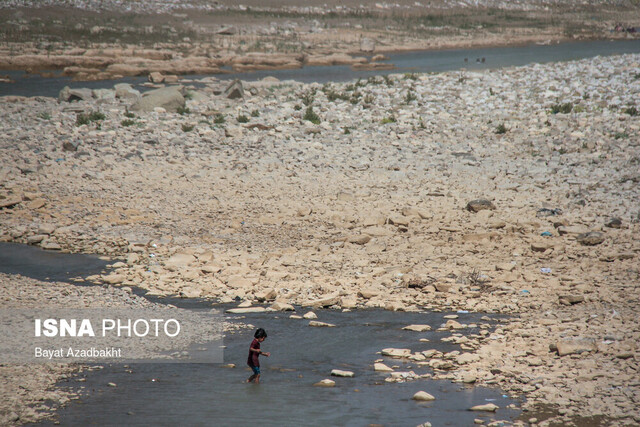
x=156, y=77
x=575, y=346
x=234, y=90
x=479, y=205
x=10, y=202
x=112, y=384
x=614, y=223
x=541, y=246
x=246, y=310
x=180, y=260
x=452, y=324
x=571, y=299
x=489, y=407
x=325, y=383
x=417, y=328
x=266, y=295
x=396, y=352
x=70, y=95
x=590, y=239
x=317, y=324
x=126, y=91
x=359, y=239
x=70, y=145
x=169, y=98
x=381, y=367
x=341, y=373
x=281, y=306
x=310, y=315
x=423, y=396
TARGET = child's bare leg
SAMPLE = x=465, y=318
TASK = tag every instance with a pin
x=251, y=378
x=257, y=379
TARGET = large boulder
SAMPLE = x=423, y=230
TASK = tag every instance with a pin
x=169, y=98
x=70, y=95
x=126, y=91
x=235, y=90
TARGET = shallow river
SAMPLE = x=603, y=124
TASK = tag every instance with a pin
x=211, y=394
x=418, y=61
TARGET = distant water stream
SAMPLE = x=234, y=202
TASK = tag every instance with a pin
x=417, y=61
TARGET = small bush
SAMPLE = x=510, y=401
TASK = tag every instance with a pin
x=127, y=122
x=501, y=129
x=85, y=119
x=307, y=99
x=410, y=96
x=187, y=128
x=621, y=135
x=82, y=119
x=410, y=76
x=369, y=99
x=388, y=80
x=129, y=115
x=218, y=119
x=389, y=119
x=632, y=111
x=346, y=131
x=183, y=110
x=44, y=116
x=311, y=116
x=96, y=116
x=242, y=119
x=188, y=95
x=297, y=107
x=562, y=108
x=255, y=113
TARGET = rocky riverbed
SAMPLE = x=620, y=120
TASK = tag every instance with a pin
x=509, y=191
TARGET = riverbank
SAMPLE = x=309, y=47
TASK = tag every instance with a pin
x=29, y=393
x=362, y=195
x=100, y=41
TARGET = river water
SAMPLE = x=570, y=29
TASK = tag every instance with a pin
x=417, y=61
x=201, y=394
x=211, y=394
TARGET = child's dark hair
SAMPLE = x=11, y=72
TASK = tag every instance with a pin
x=260, y=333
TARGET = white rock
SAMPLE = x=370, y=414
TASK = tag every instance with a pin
x=341, y=373
x=381, y=367
x=317, y=324
x=417, y=328
x=489, y=407
x=246, y=310
x=423, y=396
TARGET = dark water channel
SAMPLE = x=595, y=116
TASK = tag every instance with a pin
x=417, y=61
x=201, y=394
x=34, y=262
x=211, y=394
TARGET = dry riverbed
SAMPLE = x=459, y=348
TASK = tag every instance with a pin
x=508, y=191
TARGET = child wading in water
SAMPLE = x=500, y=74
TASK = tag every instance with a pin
x=254, y=353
